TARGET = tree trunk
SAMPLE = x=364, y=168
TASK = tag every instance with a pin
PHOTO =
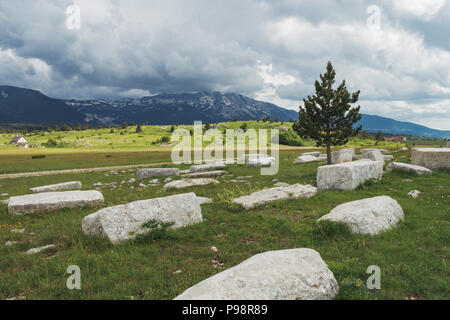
x=329, y=153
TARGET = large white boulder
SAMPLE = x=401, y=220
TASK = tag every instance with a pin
x=260, y=160
x=368, y=216
x=314, y=153
x=367, y=150
x=432, y=158
x=258, y=198
x=157, y=172
x=406, y=167
x=72, y=185
x=375, y=155
x=307, y=159
x=51, y=201
x=349, y=175
x=342, y=155
x=123, y=222
x=293, y=274
x=185, y=183
x=206, y=167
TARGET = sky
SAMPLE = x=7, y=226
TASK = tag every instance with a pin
x=396, y=52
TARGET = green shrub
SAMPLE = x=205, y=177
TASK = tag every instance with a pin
x=290, y=138
x=40, y=156
x=155, y=230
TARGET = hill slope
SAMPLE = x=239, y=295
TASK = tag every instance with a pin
x=373, y=123
x=25, y=106
x=181, y=108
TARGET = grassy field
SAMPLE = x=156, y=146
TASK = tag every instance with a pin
x=413, y=257
x=102, y=148
x=128, y=139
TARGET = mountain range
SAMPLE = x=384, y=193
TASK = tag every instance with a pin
x=22, y=107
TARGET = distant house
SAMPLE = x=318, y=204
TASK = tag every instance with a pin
x=20, y=142
x=397, y=139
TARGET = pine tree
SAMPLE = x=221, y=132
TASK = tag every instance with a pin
x=327, y=116
x=379, y=137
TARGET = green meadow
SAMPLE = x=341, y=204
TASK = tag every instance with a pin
x=413, y=257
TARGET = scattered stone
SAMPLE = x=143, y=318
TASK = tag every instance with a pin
x=142, y=185
x=18, y=230
x=260, y=160
x=5, y=194
x=178, y=184
x=314, y=153
x=131, y=180
x=342, y=156
x=388, y=157
x=348, y=176
x=213, y=248
x=414, y=193
x=367, y=150
x=205, y=174
x=97, y=185
x=403, y=149
x=37, y=250
x=51, y=201
x=154, y=181
x=123, y=222
x=115, y=173
x=206, y=167
x=4, y=201
x=157, y=172
x=294, y=274
x=72, y=185
x=367, y=216
x=431, y=158
x=177, y=272
x=216, y=264
x=168, y=179
x=20, y=297
x=406, y=167
x=10, y=243
x=258, y=198
x=307, y=159
x=374, y=155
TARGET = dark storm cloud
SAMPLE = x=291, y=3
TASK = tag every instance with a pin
x=271, y=50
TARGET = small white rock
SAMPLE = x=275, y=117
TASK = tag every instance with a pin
x=414, y=193
x=213, y=248
x=10, y=243
x=37, y=250
x=18, y=230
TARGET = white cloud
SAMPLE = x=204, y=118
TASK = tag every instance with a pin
x=148, y=47
x=424, y=9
